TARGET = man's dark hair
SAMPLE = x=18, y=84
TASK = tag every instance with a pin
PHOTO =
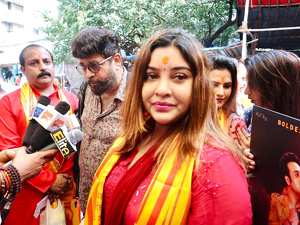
x=284, y=160
x=95, y=40
x=21, y=56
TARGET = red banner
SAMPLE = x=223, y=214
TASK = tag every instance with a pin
x=268, y=3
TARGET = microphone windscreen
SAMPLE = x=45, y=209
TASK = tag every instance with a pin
x=66, y=140
x=62, y=107
x=75, y=136
x=41, y=136
x=43, y=100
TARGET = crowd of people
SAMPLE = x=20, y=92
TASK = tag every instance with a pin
x=163, y=144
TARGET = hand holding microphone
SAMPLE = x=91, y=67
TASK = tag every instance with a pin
x=41, y=136
x=29, y=165
x=55, y=130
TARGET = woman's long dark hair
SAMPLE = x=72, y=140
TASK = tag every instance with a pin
x=276, y=76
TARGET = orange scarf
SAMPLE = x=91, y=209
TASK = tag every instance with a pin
x=28, y=99
x=167, y=199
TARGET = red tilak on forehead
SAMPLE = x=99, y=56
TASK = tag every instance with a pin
x=165, y=60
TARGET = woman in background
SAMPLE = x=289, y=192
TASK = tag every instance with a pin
x=172, y=164
x=223, y=76
x=273, y=79
x=273, y=82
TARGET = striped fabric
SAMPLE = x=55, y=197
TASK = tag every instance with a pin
x=170, y=187
x=28, y=99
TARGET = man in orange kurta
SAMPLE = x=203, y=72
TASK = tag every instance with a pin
x=15, y=108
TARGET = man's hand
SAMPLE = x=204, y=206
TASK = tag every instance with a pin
x=61, y=184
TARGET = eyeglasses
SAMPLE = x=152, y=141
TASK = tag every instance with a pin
x=93, y=67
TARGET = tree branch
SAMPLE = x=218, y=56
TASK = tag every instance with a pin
x=208, y=40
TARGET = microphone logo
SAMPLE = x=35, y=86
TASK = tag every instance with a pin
x=38, y=110
x=62, y=142
x=72, y=122
x=50, y=119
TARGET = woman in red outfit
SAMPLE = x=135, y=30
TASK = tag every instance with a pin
x=172, y=164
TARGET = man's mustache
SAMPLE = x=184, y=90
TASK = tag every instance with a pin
x=44, y=73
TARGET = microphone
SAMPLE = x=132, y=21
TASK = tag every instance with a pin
x=75, y=136
x=41, y=137
x=72, y=122
x=42, y=102
x=53, y=118
x=65, y=141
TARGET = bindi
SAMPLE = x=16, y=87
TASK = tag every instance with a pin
x=165, y=60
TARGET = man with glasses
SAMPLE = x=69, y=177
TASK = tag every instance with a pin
x=100, y=62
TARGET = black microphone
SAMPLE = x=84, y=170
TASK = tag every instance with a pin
x=33, y=124
x=65, y=141
x=41, y=136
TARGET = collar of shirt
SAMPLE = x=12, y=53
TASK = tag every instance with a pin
x=121, y=91
x=38, y=94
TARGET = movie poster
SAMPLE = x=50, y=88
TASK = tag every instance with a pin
x=275, y=182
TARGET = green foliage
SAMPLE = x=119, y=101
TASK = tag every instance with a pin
x=135, y=20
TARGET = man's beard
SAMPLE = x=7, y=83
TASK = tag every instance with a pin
x=99, y=87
